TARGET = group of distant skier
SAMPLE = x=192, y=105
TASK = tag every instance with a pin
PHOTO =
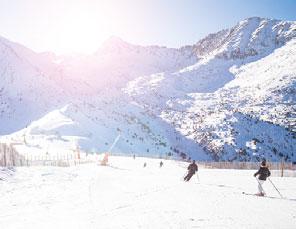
x=263, y=173
x=160, y=164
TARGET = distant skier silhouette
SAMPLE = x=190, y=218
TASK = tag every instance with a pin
x=145, y=164
x=105, y=159
x=192, y=169
x=160, y=164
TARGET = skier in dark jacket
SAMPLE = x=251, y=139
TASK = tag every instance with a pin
x=192, y=169
x=263, y=173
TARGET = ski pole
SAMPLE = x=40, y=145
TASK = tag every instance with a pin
x=197, y=177
x=275, y=187
x=260, y=185
x=185, y=174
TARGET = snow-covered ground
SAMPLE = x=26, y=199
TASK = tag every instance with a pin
x=127, y=195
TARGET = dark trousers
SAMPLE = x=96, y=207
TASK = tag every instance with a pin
x=188, y=176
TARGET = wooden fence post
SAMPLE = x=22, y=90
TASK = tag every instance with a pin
x=282, y=168
x=4, y=150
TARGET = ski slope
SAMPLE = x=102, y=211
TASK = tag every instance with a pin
x=127, y=195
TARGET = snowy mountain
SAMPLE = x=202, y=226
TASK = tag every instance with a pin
x=117, y=62
x=26, y=91
x=251, y=37
x=93, y=110
x=231, y=96
x=238, y=100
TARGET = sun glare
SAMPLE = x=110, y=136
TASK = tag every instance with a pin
x=82, y=31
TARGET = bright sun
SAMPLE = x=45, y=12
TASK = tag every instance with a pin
x=83, y=25
x=82, y=30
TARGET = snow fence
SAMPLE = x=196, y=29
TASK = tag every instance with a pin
x=9, y=156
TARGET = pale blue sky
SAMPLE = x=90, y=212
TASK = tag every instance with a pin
x=65, y=26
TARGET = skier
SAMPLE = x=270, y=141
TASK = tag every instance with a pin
x=160, y=164
x=263, y=173
x=192, y=169
x=145, y=164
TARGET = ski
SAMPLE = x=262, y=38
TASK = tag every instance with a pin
x=252, y=194
x=270, y=197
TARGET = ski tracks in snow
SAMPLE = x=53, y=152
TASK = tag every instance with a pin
x=126, y=195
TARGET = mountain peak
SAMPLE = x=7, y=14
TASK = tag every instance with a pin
x=255, y=18
x=114, y=39
x=250, y=37
x=114, y=42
